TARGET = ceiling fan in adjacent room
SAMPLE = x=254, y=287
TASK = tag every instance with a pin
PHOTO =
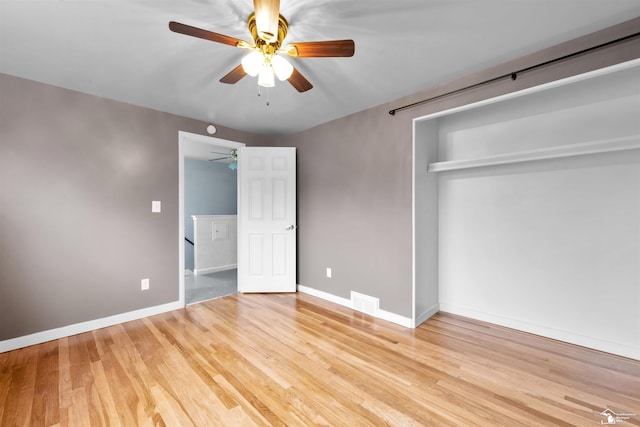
x=266, y=58
x=232, y=156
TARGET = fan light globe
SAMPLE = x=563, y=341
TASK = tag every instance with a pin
x=252, y=63
x=265, y=78
x=281, y=67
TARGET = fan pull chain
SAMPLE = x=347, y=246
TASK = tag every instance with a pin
x=260, y=94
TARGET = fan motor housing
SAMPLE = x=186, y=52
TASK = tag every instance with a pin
x=283, y=29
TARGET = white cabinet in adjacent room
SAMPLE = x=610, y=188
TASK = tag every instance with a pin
x=216, y=243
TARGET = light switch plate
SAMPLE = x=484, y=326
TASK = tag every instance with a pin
x=156, y=206
x=144, y=284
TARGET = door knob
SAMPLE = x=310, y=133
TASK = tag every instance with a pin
x=291, y=227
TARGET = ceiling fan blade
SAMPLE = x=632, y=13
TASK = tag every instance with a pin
x=267, y=13
x=326, y=49
x=234, y=75
x=188, y=30
x=220, y=158
x=299, y=82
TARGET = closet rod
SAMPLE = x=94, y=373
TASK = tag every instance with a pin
x=514, y=75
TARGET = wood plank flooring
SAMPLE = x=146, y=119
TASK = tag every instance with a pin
x=294, y=360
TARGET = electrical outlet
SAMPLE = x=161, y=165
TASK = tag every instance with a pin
x=144, y=284
x=156, y=206
x=328, y=273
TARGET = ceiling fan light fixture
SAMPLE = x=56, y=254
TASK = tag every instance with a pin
x=265, y=78
x=252, y=63
x=281, y=67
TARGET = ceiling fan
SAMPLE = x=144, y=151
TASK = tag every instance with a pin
x=232, y=156
x=268, y=29
x=225, y=156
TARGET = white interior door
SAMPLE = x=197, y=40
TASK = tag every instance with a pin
x=267, y=219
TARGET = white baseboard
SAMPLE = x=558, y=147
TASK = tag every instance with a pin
x=325, y=296
x=407, y=322
x=595, y=343
x=380, y=314
x=421, y=318
x=214, y=269
x=79, y=328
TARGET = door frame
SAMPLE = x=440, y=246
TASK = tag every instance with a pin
x=186, y=141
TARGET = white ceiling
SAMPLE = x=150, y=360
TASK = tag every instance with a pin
x=123, y=50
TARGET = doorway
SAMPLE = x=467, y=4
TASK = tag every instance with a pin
x=196, y=288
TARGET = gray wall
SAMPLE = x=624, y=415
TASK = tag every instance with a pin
x=210, y=188
x=355, y=177
x=354, y=207
x=77, y=177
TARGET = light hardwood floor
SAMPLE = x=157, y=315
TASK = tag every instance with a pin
x=296, y=360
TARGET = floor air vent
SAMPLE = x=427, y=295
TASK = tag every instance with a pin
x=365, y=303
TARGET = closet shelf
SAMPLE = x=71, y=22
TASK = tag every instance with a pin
x=569, y=150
